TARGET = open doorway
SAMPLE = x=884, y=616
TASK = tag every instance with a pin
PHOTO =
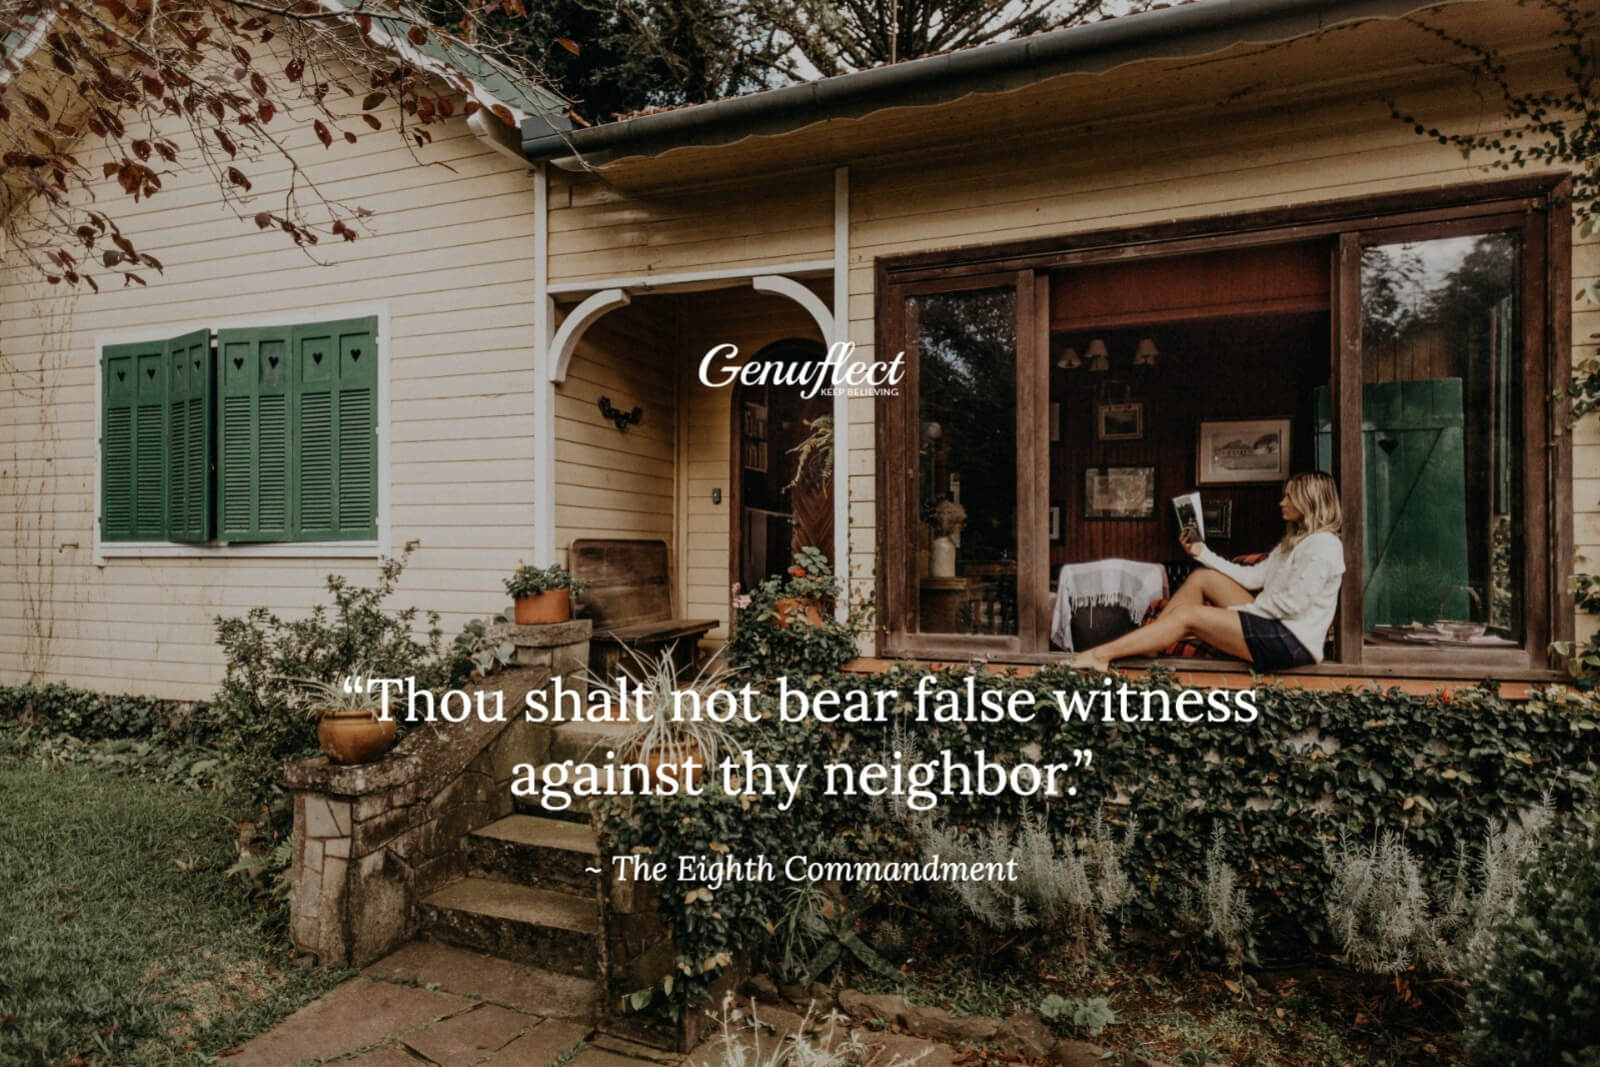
x=779, y=503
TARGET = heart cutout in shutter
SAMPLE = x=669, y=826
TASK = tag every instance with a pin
x=197, y=364
x=150, y=372
x=355, y=355
x=316, y=357
x=272, y=361
x=238, y=362
x=122, y=375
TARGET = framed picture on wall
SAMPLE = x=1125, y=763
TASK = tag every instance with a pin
x=1055, y=523
x=1217, y=516
x=1120, y=422
x=1242, y=451
x=1119, y=493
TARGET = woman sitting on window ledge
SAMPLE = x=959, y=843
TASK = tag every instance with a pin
x=1281, y=626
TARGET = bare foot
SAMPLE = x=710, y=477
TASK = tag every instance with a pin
x=1088, y=661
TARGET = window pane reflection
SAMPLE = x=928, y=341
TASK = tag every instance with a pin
x=1441, y=441
x=967, y=461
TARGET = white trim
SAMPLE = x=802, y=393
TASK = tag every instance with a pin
x=841, y=400
x=107, y=550
x=544, y=388
x=646, y=282
x=577, y=321
x=228, y=550
x=778, y=285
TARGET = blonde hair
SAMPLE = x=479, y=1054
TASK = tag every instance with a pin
x=1316, y=496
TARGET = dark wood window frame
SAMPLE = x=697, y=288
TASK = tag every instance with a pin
x=1542, y=204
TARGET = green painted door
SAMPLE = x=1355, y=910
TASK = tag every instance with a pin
x=1415, y=499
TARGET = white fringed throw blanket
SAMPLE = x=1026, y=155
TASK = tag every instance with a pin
x=1129, y=584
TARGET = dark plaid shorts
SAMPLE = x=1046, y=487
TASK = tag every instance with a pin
x=1273, y=647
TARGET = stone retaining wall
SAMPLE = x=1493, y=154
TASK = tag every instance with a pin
x=370, y=840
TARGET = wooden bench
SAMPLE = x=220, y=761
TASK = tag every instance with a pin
x=629, y=598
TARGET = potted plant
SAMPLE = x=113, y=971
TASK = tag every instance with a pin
x=809, y=590
x=348, y=727
x=659, y=739
x=543, y=594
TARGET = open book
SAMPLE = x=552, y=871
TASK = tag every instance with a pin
x=1189, y=514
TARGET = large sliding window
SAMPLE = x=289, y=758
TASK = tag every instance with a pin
x=965, y=506
x=1433, y=401
x=1448, y=493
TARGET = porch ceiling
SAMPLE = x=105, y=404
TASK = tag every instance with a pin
x=1364, y=59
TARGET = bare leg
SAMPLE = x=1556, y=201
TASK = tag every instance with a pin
x=1216, y=626
x=1206, y=586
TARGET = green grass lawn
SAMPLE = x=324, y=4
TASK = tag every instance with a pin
x=122, y=940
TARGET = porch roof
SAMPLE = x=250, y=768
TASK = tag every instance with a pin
x=1188, y=58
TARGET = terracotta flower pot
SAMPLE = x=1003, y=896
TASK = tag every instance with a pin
x=552, y=605
x=354, y=736
x=793, y=608
x=676, y=759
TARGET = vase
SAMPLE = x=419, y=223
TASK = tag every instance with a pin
x=794, y=608
x=942, y=558
x=354, y=736
x=552, y=605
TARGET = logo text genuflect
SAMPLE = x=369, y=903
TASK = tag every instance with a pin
x=835, y=371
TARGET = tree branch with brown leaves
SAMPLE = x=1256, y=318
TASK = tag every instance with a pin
x=125, y=94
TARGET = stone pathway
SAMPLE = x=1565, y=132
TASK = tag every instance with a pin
x=434, y=1005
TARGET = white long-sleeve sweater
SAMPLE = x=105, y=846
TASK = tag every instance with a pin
x=1299, y=588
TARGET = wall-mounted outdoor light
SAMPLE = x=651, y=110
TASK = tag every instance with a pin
x=621, y=419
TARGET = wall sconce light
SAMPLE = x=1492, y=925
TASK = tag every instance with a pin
x=621, y=419
x=1097, y=354
x=1069, y=359
x=1146, y=354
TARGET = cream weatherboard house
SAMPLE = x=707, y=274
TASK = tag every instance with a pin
x=1185, y=250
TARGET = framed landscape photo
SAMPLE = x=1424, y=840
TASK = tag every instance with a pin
x=1120, y=422
x=1242, y=451
x=1119, y=493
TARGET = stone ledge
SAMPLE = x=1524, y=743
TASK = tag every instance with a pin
x=549, y=635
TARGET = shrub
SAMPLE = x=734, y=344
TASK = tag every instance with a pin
x=1220, y=912
x=1536, y=1001
x=1061, y=892
x=253, y=710
x=91, y=716
x=771, y=638
x=1066, y=1015
x=1381, y=905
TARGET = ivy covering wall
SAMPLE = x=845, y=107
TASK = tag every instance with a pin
x=1313, y=768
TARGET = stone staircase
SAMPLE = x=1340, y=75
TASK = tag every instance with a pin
x=535, y=893
x=430, y=843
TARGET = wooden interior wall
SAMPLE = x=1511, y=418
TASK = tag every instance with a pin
x=1249, y=367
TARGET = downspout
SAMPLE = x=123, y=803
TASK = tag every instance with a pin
x=841, y=399
x=544, y=389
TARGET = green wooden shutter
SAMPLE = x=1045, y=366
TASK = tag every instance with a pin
x=149, y=444
x=336, y=419
x=119, y=441
x=255, y=470
x=189, y=377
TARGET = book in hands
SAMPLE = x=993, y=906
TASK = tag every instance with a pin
x=1190, y=517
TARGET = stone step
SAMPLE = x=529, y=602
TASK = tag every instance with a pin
x=553, y=930
x=535, y=851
